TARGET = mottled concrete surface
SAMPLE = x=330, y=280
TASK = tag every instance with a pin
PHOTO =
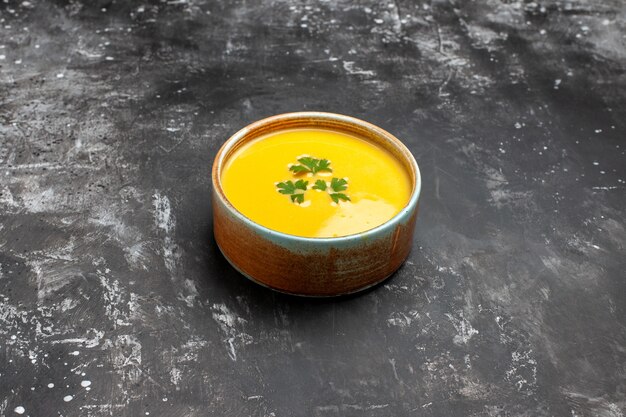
x=114, y=300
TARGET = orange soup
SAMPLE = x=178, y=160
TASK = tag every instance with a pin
x=315, y=183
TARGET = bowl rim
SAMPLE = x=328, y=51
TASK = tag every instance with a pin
x=223, y=153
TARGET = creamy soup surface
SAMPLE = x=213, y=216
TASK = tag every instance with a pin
x=315, y=183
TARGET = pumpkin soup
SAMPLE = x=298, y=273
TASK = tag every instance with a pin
x=315, y=183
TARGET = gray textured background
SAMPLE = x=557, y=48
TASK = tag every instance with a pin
x=512, y=302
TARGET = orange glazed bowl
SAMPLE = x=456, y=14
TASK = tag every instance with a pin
x=314, y=266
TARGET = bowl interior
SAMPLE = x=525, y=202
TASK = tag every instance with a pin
x=317, y=120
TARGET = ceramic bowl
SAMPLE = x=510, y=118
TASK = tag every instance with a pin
x=314, y=266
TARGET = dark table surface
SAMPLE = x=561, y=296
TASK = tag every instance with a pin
x=114, y=300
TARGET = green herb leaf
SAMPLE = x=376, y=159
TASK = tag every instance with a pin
x=320, y=185
x=286, y=187
x=301, y=184
x=294, y=190
x=324, y=165
x=297, y=198
x=298, y=169
x=312, y=165
x=338, y=184
x=339, y=196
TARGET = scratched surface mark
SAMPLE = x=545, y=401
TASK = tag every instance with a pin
x=114, y=300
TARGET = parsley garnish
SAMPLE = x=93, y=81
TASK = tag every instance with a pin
x=338, y=184
x=311, y=165
x=294, y=190
x=320, y=185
